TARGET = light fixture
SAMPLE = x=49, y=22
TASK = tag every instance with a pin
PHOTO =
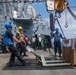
x=50, y=5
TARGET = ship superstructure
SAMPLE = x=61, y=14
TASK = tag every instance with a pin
x=21, y=13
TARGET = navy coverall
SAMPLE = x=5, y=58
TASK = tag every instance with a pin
x=57, y=43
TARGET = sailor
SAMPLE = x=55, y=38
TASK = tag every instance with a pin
x=22, y=45
x=39, y=39
x=34, y=41
x=57, y=42
x=26, y=39
x=8, y=40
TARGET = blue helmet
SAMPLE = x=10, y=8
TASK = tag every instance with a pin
x=25, y=34
x=57, y=29
x=8, y=25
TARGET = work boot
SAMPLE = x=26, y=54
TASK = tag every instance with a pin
x=10, y=65
x=55, y=55
x=25, y=54
x=59, y=55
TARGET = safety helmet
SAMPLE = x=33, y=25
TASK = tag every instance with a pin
x=20, y=27
x=39, y=34
x=57, y=29
x=25, y=34
x=8, y=25
x=33, y=34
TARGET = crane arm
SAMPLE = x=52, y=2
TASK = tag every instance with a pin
x=70, y=11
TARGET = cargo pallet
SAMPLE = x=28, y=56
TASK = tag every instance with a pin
x=47, y=63
x=40, y=60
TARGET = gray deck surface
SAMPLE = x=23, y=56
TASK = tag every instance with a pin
x=32, y=68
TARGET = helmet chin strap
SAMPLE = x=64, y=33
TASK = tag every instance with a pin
x=9, y=29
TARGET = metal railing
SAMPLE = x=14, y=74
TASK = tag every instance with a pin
x=24, y=14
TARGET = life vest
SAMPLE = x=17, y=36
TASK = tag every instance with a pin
x=6, y=40
x=21, y=37
x=26, y=38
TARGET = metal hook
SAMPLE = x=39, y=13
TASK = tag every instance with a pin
x=66, y=25
x=59, y=16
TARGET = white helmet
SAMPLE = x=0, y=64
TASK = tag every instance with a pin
x=39, y=34
x=33, y=34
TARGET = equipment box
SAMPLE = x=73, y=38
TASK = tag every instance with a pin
x=69, y=51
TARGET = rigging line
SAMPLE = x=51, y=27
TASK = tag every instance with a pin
x=54, y=20
x=66, y=15
x=60, y=27
x=66, y=18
